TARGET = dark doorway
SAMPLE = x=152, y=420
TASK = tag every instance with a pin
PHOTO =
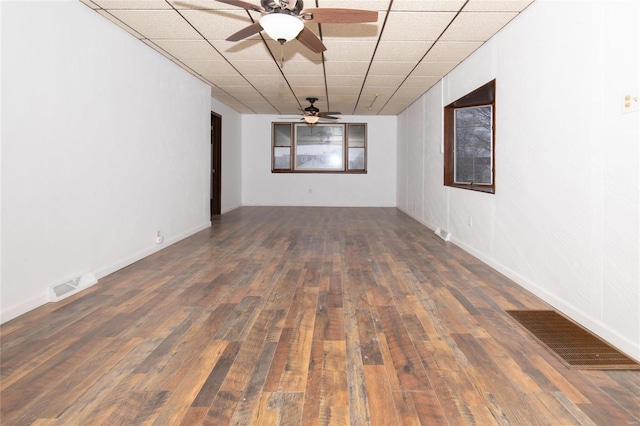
x=216, y=163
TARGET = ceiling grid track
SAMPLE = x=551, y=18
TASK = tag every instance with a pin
x=364, y=80
x=425, y=55
x=368, y=56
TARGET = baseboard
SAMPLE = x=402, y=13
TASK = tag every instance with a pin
x=37, y=301
x=608, y=334
x=227, y=210
x=103, y=272
x=621, y=342
x=24, y=307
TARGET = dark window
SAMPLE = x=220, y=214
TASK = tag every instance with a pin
x=469, y=142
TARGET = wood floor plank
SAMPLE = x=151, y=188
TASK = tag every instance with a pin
x=381, y=402
x=299, y=315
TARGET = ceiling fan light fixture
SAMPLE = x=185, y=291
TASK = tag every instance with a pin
x=281, y=27
x=311, y=119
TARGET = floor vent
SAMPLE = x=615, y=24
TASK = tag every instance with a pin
x=574, y=346
x=65, y=289
x=443, y=234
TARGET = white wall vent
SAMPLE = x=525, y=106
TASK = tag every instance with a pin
x=443, y=234
x=70, y=287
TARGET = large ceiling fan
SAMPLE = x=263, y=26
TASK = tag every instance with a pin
x=283, y=20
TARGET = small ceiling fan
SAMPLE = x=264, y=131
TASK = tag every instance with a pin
x=283, y=20
x=312, y=114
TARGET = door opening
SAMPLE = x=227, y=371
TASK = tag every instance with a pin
x=216, y=163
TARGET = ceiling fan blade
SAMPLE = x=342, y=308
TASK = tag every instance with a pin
x=309, y=39
x=243, y=4
x=329, y=117
x=326, y=114
x=245, y=32
x=337, y=16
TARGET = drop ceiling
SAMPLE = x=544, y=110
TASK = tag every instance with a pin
x=368, y=69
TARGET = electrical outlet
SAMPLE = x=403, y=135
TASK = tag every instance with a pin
x=470, y=221
x=630, y=101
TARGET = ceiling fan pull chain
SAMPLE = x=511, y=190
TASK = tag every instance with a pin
x=281, y=55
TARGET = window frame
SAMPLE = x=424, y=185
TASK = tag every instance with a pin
x=348, y=145
x=483, y=96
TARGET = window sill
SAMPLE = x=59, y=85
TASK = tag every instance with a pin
x=478, y=188
x=338, y=172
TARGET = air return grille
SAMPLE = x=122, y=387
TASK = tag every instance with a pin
x=574, y=346
x=443, y=234
x=72, y=286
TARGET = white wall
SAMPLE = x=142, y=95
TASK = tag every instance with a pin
x=564, y=221
x=104, y=141
x=231, y=156
x=377, y=188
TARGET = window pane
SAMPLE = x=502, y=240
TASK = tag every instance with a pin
x=356, y=135
x=473, y=145
x=320, y=147
x=356, y=158
x=282, y=158
x=282, y=135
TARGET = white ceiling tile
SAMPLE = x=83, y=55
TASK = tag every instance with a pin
x=497, y=5
x=243, y=90
x=451, y=51
x=244, y=50
x=255, y=67
x=121, y=24
x=408, y=93
x=157, y=24
x=347, y=50
x=220, y=67
x=352, y=32
x=189, y=49
x=218, y=24
x=402, y=50
x=202, y=4
x=477, y=26
x=225, y=80
x=246, y=75
x=391, y=68
x=302, y=67
x=380, y=5
x=306, y=80
x=158, y=49
x=385, y=80
x=133, y=4
x=428, y=5
x=430, y=68
x=91, y=4
x=343, y=90
x=307, y=91
x=417, y=26
x=423, y=83
x=346, y=68
x=268, y=83
x=345, y=80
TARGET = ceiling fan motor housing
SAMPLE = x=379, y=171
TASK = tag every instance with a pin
x=311, y=109
x=295, y=6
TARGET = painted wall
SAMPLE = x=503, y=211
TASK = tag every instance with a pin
x=377, y=188
x=231, y=156
x=564, y=221
x=104, y=142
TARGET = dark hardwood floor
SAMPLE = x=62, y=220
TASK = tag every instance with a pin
x=300, y=316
